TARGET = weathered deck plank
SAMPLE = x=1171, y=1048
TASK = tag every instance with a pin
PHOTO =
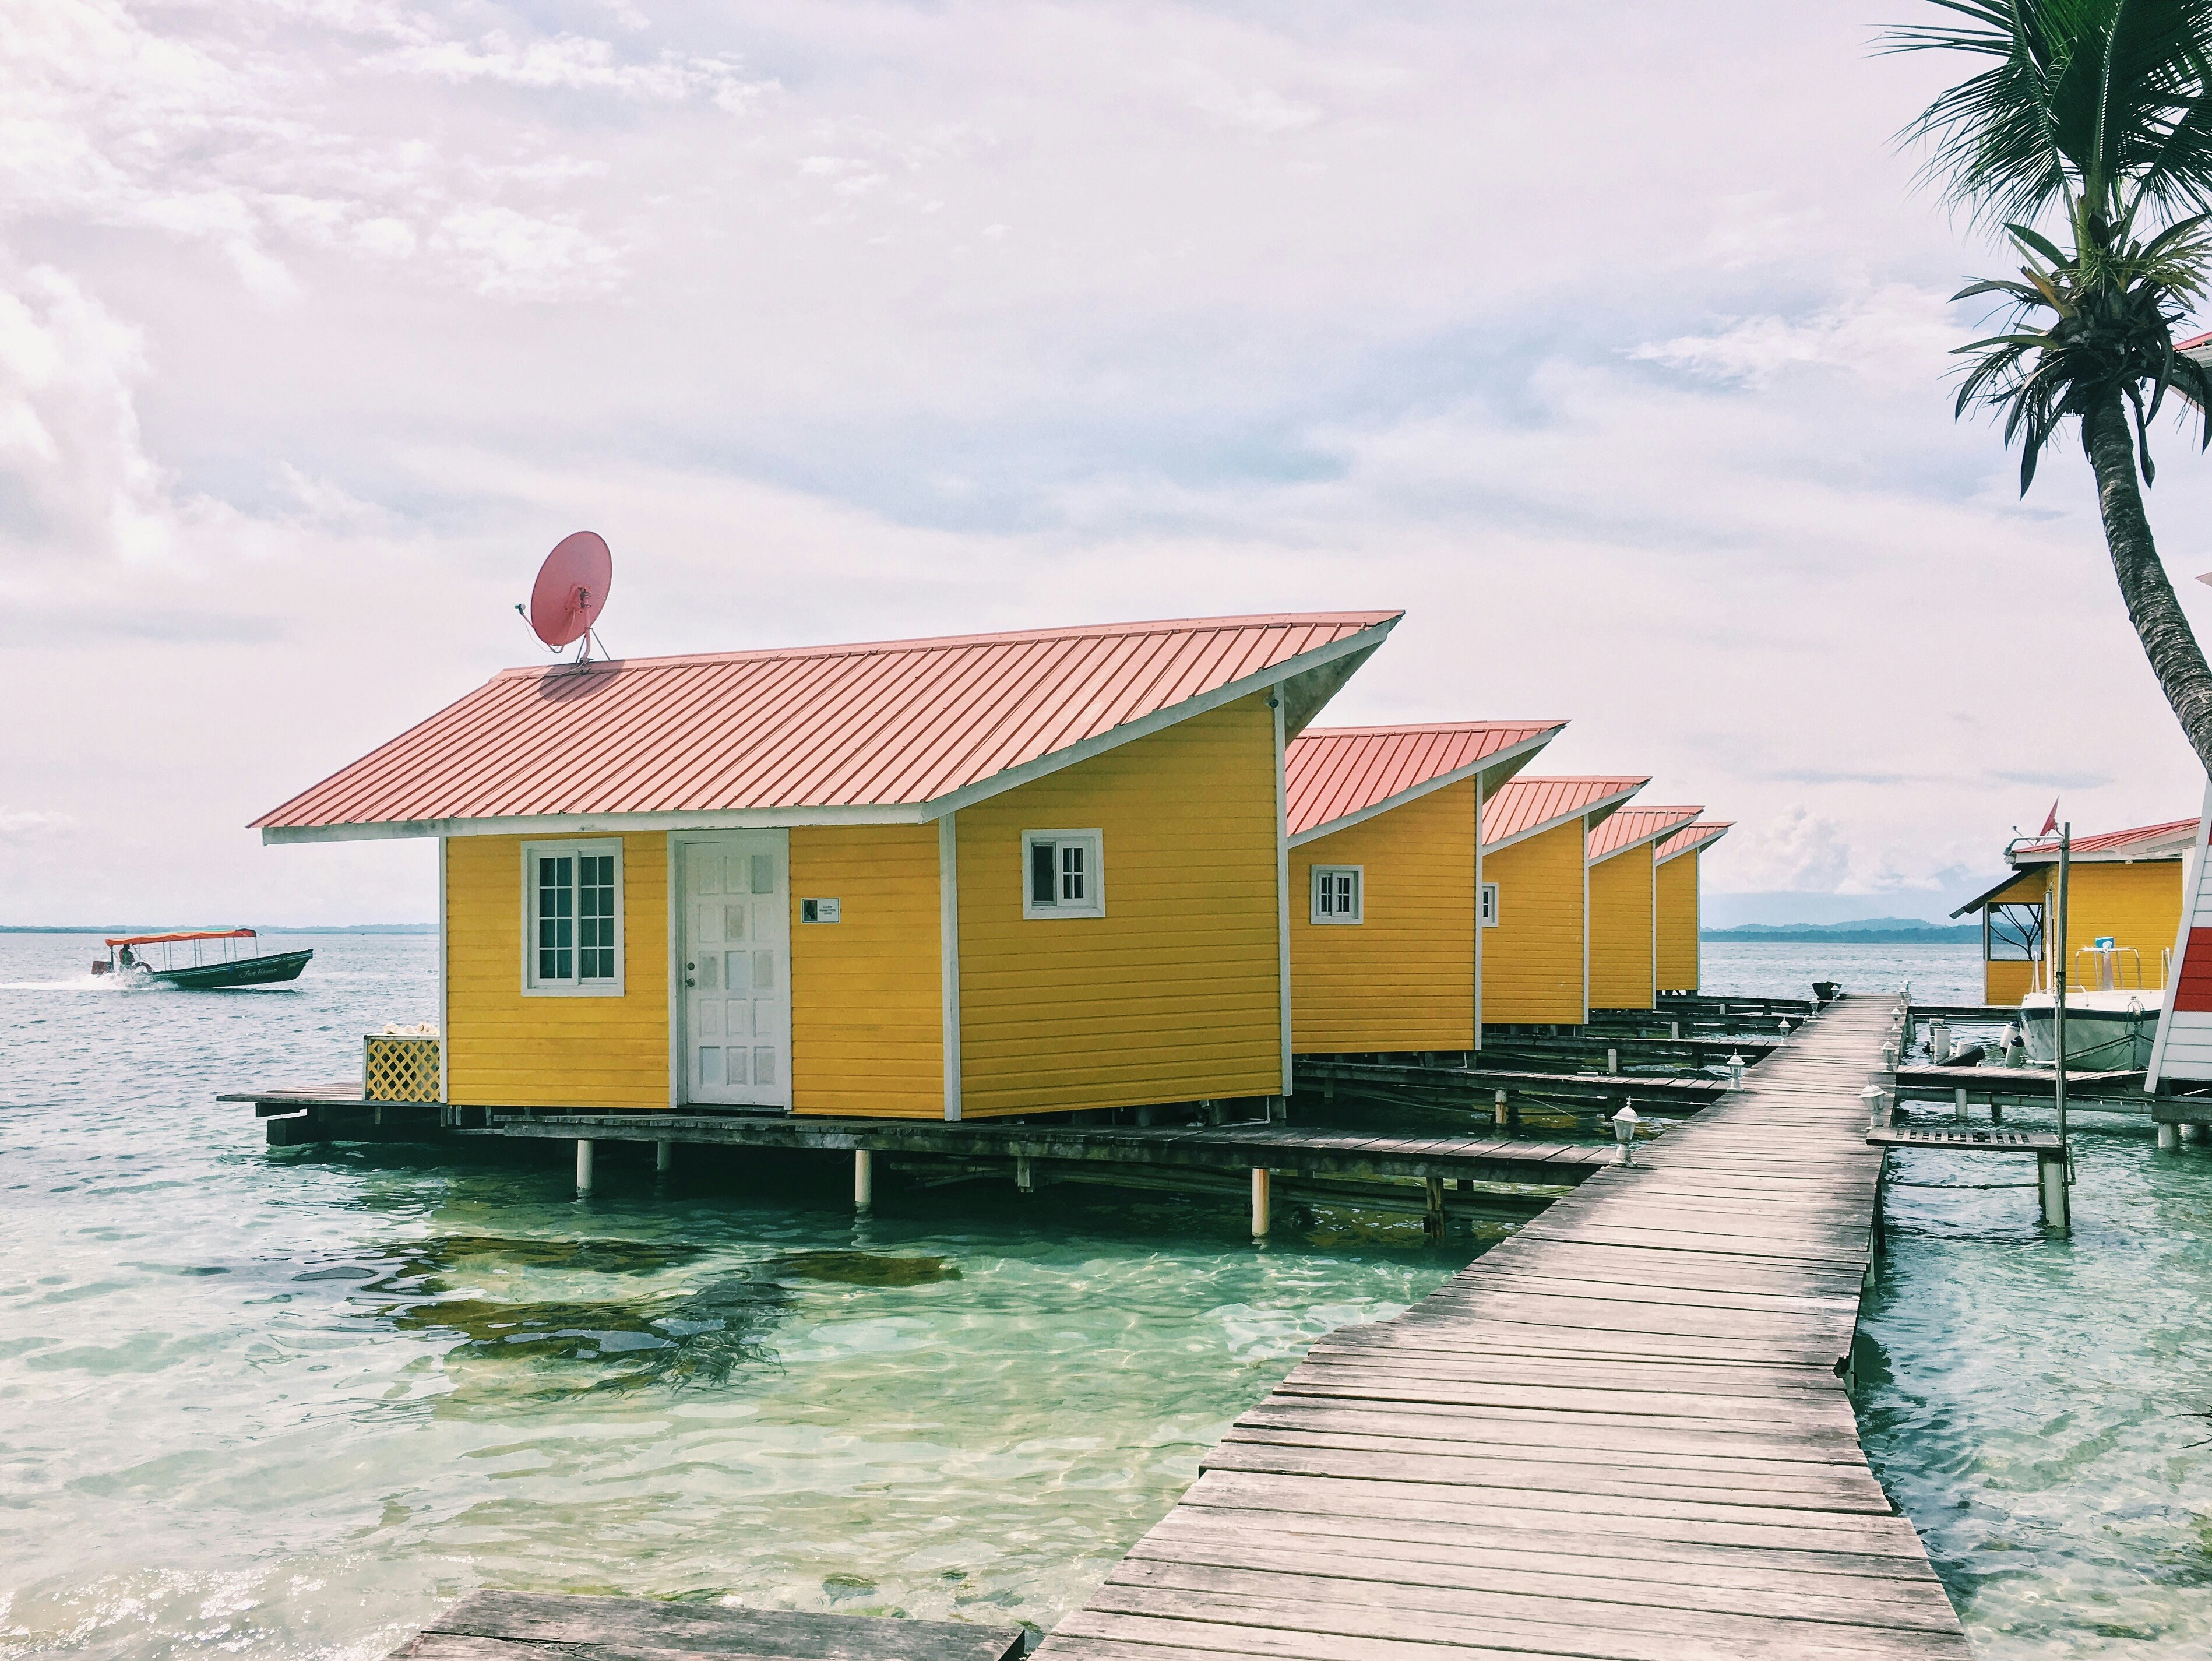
x=1620, y=1435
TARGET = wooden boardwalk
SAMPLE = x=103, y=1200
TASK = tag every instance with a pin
x=1621, y=1434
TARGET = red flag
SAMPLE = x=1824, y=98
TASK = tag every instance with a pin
x=2051, y=823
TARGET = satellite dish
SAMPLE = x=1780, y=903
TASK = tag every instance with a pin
x=570, y=591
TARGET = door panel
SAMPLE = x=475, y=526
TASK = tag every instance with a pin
x=735, y=916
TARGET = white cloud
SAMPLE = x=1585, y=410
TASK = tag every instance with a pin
x=1796, y=850
x=1894, y=333
x=19, y=825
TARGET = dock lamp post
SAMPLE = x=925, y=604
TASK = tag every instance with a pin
x=1735, y=1071
x=1873, y=1096
x=1624, y=1132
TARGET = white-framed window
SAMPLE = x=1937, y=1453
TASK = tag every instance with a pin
x=1489, y=905
x=1063, y=873
x=1339, y=893
x=572, y=919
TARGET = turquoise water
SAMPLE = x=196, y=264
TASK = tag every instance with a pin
x=289, y=1404
x=285, y=1404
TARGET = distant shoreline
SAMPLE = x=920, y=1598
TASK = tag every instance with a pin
x=107, y=928
x=1967, y=936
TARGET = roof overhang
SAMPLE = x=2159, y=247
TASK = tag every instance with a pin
x=1591, y=814
x=1697, y=846
x=1304, y=683
x=1984, y=898
x=1494, y=769
x=1658, y=835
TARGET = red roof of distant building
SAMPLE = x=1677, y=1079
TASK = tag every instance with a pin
x=893, y=723
x=2168, y=841
x=1525, y=806
x=1693, y=838
x=1335, y=773
x=1634, y=825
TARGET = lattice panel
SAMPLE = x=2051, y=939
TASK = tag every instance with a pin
x=398, y=1069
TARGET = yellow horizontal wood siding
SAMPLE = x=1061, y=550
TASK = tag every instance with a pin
x=1173, y=995
x=1676, y=888
x=2008, y=982
x=1620, y=931
x=867, y=1033
x=1532, y=961
x=2139, y=906
x=1403, y=978
x=505, y=1049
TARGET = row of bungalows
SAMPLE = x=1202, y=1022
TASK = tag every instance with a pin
x=992, y=875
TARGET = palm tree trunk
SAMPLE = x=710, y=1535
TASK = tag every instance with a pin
x=2167, y=640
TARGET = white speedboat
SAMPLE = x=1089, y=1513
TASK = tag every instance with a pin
x=2105, y=1031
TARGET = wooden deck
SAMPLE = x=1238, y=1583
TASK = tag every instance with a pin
x=1622, y=1434
x=522, y=1626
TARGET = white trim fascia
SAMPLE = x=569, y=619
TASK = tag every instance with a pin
x=1650, y=842
x=948, y=969
x=1651, y=990
x=1283, y=892
x=1602, y=805
x=774, y=819
x=1511, y=752
x=551, y=825
x=445, y=985
x=2192, y=872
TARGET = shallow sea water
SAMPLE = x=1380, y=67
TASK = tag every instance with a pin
x=287, y=1404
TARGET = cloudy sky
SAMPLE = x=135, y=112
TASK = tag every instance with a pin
x=1608, y=339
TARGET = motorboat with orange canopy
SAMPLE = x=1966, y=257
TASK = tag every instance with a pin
x=201, y=960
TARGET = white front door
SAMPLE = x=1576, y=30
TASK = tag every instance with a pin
x=736, y=968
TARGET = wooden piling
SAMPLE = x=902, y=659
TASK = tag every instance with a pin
x=864, y=1179
x=583, y=1164
x=1260, y=1218
x=664, y=1157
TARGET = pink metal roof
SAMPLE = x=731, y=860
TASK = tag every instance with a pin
x=1331, y=773
x=1631, y=825
x=1525, y=806
x=2169, y=840
x=1692, y=838
x=889, y=723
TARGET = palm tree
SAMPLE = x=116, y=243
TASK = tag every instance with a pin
x=2097, y=113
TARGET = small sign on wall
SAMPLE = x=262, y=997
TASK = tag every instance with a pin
x=820, y=910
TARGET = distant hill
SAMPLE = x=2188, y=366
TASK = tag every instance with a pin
x=107, y=928
x=1860, y=931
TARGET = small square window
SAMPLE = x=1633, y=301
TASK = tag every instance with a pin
x=1064, y=874
x=1337, y=893
x=1490, y=905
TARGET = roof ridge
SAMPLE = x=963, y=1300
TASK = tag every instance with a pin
x=937, y=643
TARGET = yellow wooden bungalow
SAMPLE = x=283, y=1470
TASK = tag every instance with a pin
x=1385, y=880
x=1623, y=911
x=1677, y=902
x=987, y=875
x=2124, y=887
x=1535, y=900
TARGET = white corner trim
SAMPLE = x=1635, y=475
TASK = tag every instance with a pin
x=445, y=986
x=948, y=936
x=678, y=1005
x=1283, y=894
x=1413, y=792
x=1478, y=916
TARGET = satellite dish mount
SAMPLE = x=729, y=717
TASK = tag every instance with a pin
x=569, y=594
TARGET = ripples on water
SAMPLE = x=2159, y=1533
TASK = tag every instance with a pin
x=2038, y=1405
x=287, y=1403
